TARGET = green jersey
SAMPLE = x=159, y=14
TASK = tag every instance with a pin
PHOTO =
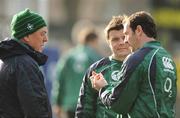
x=70, y=71
x=89, y=105
x=147, y=85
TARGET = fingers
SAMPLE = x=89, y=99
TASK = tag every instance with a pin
x=97, y=80
x=101, y=75
x=94, y=73
x=95, y=76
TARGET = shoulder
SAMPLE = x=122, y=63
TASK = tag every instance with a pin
x=141, y=53
x=135, y=59
x=138, y=55
x=100, y=63
x=25, y=61
x=18, y=63
x=97, y=64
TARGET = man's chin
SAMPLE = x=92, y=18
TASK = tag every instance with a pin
x=39, y=50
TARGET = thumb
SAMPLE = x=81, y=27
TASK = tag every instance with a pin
x=101, y=75
x=94, y=73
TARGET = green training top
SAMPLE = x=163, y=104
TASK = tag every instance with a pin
x=70, y=71
x=147, y=85
x=89, y=105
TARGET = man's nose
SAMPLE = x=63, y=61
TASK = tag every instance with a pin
x=121, y=41
x=125, y=40
x=45, y=39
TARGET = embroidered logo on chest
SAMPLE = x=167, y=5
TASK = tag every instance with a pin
x=115, y=75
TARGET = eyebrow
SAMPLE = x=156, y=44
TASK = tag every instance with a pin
x=44, y=31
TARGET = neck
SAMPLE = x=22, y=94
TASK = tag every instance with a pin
x=146, y=39
x=120, y=58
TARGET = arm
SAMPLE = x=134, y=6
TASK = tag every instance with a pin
x=121, y=97
x=59, y=86
x=86, y=107
x=61, y=70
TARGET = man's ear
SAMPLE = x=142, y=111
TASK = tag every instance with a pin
x=25, y=39
x=139, y=30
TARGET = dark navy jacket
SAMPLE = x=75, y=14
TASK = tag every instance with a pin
x=22, y=90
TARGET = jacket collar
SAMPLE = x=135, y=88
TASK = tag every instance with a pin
x=10, y=47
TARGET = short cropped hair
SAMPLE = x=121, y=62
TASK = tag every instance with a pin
x=146, y=21
x=114, y=24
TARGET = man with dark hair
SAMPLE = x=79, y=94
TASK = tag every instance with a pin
x=70, y=70
x=147, y=85
x=89, y=105
x=22, y=90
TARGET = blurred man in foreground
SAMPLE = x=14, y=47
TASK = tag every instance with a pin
x=71, y=68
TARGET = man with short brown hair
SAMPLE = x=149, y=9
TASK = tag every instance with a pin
x=89, y=105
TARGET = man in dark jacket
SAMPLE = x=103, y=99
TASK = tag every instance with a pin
x=22, y=90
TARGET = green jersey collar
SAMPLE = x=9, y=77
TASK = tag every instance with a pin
x=154, y=44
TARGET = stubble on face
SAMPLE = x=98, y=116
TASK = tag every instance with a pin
x=130, y=36
x=119, y=48
x=39, y=39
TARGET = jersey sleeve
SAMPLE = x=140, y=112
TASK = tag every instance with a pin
x=86, y=106
x=61, y=71
x=121, y=97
